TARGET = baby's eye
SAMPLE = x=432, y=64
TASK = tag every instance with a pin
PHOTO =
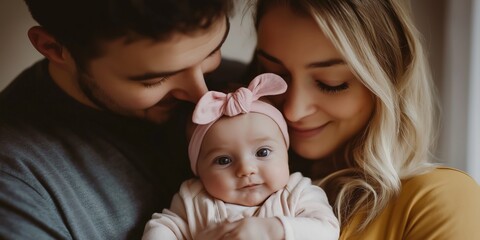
x=223, y=160
x=263, y=152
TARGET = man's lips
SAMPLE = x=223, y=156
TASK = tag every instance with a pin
x=306, y=132
x=167, y=104
x=161, y=111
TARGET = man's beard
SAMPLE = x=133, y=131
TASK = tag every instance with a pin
x=97, y=96
x=90, y=89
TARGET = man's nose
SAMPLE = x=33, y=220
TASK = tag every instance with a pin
x=193, y=85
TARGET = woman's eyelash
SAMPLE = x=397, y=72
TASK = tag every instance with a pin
x=155, y=83
x=323, y=87
x=332, y=89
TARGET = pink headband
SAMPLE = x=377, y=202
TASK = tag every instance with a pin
x=213, y=105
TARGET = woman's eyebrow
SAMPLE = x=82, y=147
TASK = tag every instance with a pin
x=326, y=63
x=319, y=64
x=267, y=56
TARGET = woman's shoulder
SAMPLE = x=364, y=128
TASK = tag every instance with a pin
x=441, y=186
x=440, y=180
x=444, y=201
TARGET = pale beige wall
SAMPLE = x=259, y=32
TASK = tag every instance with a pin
x=241, y=40
x=473, y=155
x=446, y=25
x=16, y=53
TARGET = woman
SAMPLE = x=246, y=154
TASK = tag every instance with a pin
x=360, y=109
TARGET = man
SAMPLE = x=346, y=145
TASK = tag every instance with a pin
x=89, y=144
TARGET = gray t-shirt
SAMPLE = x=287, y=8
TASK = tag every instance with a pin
x=72, y=172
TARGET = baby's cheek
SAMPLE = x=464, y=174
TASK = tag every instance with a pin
x=281, y=178
x=218, y=188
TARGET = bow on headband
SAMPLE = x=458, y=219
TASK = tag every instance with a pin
x=213, y=105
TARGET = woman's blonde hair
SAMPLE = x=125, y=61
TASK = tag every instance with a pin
x=381, y=45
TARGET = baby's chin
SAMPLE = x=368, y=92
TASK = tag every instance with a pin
x=253, y=199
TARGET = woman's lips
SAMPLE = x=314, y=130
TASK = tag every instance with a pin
x=306, y=132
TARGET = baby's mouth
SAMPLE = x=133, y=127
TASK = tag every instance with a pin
x=252, y=185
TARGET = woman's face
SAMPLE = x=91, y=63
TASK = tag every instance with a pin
x=325, y=104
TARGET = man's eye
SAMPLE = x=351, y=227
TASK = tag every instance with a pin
x=153, y=83
x=263, y=152
x=223, y=160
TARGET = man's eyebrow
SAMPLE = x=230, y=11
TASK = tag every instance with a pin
x=148, y=76
x=318, y=64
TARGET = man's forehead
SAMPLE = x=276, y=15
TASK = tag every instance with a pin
x=178, y=47
x=132, y=37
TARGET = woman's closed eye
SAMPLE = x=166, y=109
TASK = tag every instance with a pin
x=331, y=89
x=326, y=88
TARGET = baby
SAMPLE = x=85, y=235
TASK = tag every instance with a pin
x=238, y=150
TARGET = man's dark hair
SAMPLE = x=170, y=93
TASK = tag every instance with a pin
x=81, y=25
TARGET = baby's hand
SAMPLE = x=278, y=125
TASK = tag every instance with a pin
x=247, y=228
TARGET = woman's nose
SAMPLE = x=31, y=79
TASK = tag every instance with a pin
x=297, y=104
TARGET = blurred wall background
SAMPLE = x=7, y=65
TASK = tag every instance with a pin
x=450, y=28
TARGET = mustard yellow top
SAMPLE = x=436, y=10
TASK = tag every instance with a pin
x=441, y=204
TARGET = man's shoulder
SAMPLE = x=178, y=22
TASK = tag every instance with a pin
x=15, y=133
x=26, y=79
x=26, y=91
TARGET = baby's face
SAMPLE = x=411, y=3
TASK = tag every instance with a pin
x=243, y=159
